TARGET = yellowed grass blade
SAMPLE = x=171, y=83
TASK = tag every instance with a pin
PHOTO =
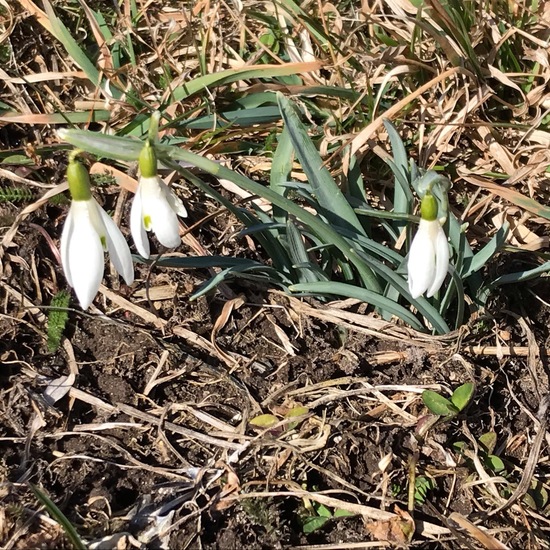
x=361, y=139
x=43, y=77
x=511, y=195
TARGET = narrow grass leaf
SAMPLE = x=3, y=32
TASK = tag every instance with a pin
x=64, y=36
x=261, y=274
x=356, y=189
x=402, y=195
x=299, y=256
x=240, y=117
x=332, y=288
x=464, y=253
x=281, y=168
x=58, y=515
x=268, y=240
x=202, y=83
x=385, y=215
x=107, y=37
x=371, y=247
x=476, y=262
x=400, y=160
x=329, y=196
x=199, y=262
x=521, y=276
x=312, y=25
x=454, y=290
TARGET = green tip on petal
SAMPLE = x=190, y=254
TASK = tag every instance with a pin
x=79, y=181
x=148, y=161
x=428, y=208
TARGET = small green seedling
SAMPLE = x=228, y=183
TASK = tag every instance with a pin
x=422, y=485
x=270, y=420
x=318, y=515
x=264, y=421
x=449, y=408
x=537, y=496
x=488, y=442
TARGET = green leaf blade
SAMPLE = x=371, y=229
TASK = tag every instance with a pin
x=438, y=404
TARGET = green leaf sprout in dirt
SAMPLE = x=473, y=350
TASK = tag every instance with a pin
x=462, y=396
x=57, y=319
x=264, y=421
x=316, y=515
x=270, y=420
x=487, y=443
x=449, y=408
x=423, y=485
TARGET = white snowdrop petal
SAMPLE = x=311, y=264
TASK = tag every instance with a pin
x=94, y=212
x=139, y=235
x=441, y=262
x=165, y=223
x=119, y=252
x=156, y=207
x=174, y=201
x=65, y=239
x=85, y=258
x=421, y=262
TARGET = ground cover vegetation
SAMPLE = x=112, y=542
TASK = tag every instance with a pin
x=322, y=321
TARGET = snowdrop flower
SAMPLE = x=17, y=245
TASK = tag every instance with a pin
x=156, y=207
x=88, y=233
x=428, y=261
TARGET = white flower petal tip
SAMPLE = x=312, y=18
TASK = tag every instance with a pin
x=428, y=261
x=87, y=233
x=155, y=208
x=61, y=133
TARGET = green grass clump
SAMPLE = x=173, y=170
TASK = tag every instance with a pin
x=57, y=319
x=15, y=194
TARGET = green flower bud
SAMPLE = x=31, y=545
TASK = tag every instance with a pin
x=428, y=208
x=148, y=161
x=79, y=181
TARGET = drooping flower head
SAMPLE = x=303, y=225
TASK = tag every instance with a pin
x=428, y=260
x=156, y=207
x=88, y=233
